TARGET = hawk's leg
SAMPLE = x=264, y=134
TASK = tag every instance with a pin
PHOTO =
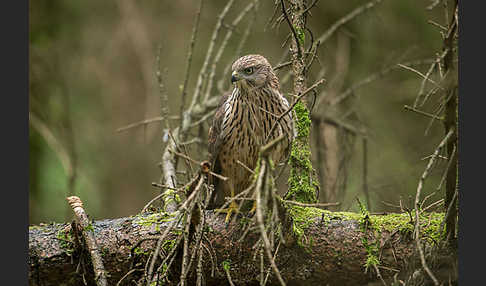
x=253, y=209
x=232, y=208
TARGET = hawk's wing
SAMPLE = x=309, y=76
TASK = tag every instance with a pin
x=215, y=139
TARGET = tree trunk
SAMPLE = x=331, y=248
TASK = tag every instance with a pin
x=329, y=249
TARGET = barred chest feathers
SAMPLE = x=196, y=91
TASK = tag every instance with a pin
x=248, y=118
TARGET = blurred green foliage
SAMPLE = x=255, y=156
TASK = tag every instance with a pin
x=92, y=70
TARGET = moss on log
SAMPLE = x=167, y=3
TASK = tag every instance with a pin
x=331, y=248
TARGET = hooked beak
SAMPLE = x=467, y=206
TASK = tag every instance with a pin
x=234, y=77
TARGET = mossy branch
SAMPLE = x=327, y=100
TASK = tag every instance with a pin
x=334, y=239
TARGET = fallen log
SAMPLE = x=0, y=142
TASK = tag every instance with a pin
x=330, y=248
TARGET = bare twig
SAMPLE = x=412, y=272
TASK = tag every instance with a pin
x=204, y=118
x=374, y=76
x=310, y=6
x=139, y=123
x=189, y=55
x=274, y=126
x=437, y=203
x=420, y=74
x=427, y=75
x=353, y=14
x=202, y=73
x=158, y=247
x=379, y=274
x=245, y=166
x=411, y=108
x=238, y=53
x=222, y=47
x=164, y=98
x=449, y=209
x=185, y=266
x=128, y=274
x=88, y=234
x=198, y=163
x=365, y=174
x=417, y=205
x=52, y=142
x=282, y=65
x=286, y=16
x=449, y=163
x=228, y=276
x=169, y=171
x=259, y=216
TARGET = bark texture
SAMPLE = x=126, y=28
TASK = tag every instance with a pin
x=330, y=249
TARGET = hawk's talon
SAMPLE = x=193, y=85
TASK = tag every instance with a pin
x=232, y=208
x=253, y=209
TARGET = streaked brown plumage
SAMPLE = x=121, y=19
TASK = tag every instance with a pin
x=242, y=123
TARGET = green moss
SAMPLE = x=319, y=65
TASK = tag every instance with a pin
x=140, y=251
x=171, y=195
x=154, y=218
x=302, y=182
x=226, y=264
x=89, y=227
x=169, y=244
x=300, y=35
x=303, y=122
x=372, y=257
x=66, y=241
x=303, y=217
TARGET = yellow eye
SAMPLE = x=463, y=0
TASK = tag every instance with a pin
x=248, y=70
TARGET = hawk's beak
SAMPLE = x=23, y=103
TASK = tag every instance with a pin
x=234, y=77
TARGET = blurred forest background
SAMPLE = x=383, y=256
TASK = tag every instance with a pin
x=93, y=70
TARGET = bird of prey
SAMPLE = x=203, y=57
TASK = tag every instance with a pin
x=242, y=124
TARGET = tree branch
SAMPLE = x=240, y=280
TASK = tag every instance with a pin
x=51, y=261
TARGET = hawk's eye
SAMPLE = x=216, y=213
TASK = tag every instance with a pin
x=248, y=70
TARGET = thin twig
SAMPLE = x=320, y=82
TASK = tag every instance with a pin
x=444, y=176
x=169, y=171
x=198, y=163
x=189, y=56
x=203, y=71
x=238, y=52
x=185, y=268
x=158, y=247
x=222, y=47
x=420, y=74
x=417, y=205
x=88, y=235
x=139, y=123
x=228, y=276
x=310, y=6
x=372, y=77
x=52, y=142
x=356, y=12
x=379, y=274
x=286, y=16
x=244, y=166
x=427, y=75
x=274, y=126
x=432, y=205
x=411, y=108
x=259, y=217
x=164, y=98
x=282, y=65
x=127, y=274
x=449, y=209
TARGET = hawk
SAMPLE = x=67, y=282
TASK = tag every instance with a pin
x=242, y=123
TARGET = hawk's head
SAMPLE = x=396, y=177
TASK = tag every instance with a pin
x=253, y=71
